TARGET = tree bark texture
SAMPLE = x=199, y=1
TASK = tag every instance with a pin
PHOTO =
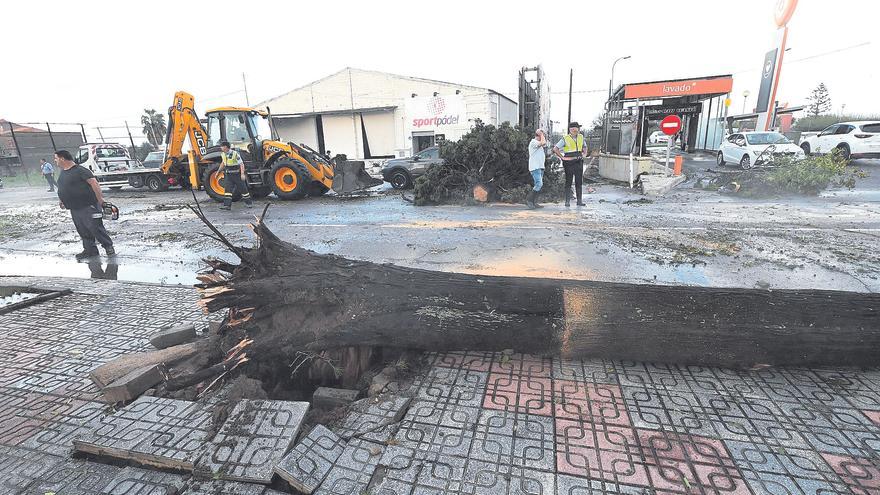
x=287, y=299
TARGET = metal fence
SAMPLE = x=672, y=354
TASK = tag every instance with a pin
x=23, y=144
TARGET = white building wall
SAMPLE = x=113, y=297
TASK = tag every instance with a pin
x=361, y=90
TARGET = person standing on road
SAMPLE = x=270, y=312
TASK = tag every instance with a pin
x=572, y=151
x=235, y=176
x=79, y=192
x=48, y=173
x=537, y=157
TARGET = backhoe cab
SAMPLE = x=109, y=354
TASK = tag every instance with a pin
x=288, y=170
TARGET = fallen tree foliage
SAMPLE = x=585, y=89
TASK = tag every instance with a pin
x=493, y=157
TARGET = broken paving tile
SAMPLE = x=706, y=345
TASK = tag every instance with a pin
x=74, y=477
x=165, y=433
x=306, y=466
x=381, y=435
x=330, y=398
x=353, y=469
x=253, y=439
x=134, y=481
x=370, y=414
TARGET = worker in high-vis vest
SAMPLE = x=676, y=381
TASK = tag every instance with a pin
x=572, y=151
x=235, y=176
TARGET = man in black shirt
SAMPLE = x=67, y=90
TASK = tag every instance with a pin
x=80, y=193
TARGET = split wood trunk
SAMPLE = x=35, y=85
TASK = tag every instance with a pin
x=289, y=299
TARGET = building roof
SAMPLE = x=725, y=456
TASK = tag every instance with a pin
x=411, y=78
x=4, y=127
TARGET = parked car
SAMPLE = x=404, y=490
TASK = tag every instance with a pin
x=401, y=173
x=658, y=137
x=754, y=148
x=114, y=167
x=852, y=139
x=154, y=159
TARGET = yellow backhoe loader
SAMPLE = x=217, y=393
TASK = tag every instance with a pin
x=288, y=170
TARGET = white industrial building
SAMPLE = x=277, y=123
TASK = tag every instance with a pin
x=369, y=115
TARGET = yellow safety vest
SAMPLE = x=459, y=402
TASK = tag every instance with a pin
x=572, y=146
x=231, y=159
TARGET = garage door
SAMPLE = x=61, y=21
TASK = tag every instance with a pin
x=340, y=137
x=378, y=130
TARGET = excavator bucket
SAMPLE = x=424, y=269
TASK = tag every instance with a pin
x=352, y=177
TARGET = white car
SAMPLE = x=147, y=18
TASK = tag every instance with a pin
x=658, y=137
x=754, y=148
x=852, y=139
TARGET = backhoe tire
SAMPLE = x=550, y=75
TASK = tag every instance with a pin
x=213, y=181
x=317, y=189
x=289, y=179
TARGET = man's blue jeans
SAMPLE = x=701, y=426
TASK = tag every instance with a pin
x=538, y=177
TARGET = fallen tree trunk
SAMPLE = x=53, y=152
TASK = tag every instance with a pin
x=289, y=299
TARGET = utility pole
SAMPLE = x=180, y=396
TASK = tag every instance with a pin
x=570, y=80
x=246, y=98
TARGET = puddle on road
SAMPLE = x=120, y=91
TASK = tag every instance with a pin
x=119, y=268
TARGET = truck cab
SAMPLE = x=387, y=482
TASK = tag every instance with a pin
x=110, y=162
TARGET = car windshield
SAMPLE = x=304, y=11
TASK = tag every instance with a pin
x=871, y=128
x=108, y=152
x=155, y=155
x=767, y=138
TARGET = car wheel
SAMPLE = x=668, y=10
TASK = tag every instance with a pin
x=746, y=162
x=136, y=182
x=720, y=160
x=806, y=148
x=844, y=152
x=400, y=179
x=154, y=183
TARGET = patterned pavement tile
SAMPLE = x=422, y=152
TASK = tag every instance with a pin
x=442, y=413
x=470, y=360
x=519, y=393
x=690, y=463
x=573, y=485
x=453, y=395
x=224, y=487
x=252, y=440
x=19, y=467
x=594, y=402
x=783, y=470
x=862, y=476
x=370, y=414
x=166, y=433
x=74, y=477
x=603, y=452
x=134, y=481
x=353, y=469
x=522, y=364
x=874, y=416
x=306, y=466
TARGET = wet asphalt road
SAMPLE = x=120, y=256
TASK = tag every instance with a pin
x=689, y=237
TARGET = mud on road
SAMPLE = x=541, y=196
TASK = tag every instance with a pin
x=689, y=237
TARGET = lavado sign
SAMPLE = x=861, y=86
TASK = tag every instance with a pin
x=435, y=112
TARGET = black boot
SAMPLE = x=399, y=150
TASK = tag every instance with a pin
x=530, y=199
x=535, y=200
x=87, y=253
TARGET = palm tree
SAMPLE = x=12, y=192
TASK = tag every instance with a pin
x=154, y=126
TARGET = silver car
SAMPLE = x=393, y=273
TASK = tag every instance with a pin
x=401, y=173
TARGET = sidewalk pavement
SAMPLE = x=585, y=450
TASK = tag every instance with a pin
x=477, y=422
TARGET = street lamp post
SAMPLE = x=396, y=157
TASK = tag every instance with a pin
x=608, y=103
x=745, y=97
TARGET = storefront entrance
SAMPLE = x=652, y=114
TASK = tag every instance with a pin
x=422, y=140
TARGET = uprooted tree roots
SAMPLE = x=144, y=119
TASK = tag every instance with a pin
x=285, y=303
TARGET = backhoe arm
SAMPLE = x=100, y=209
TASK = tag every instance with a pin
x=183, y=122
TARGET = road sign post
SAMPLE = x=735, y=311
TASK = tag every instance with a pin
x=670, y=125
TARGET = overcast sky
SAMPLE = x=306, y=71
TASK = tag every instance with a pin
x=103, y=62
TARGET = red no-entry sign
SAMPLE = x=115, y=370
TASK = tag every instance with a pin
x=670, y=125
